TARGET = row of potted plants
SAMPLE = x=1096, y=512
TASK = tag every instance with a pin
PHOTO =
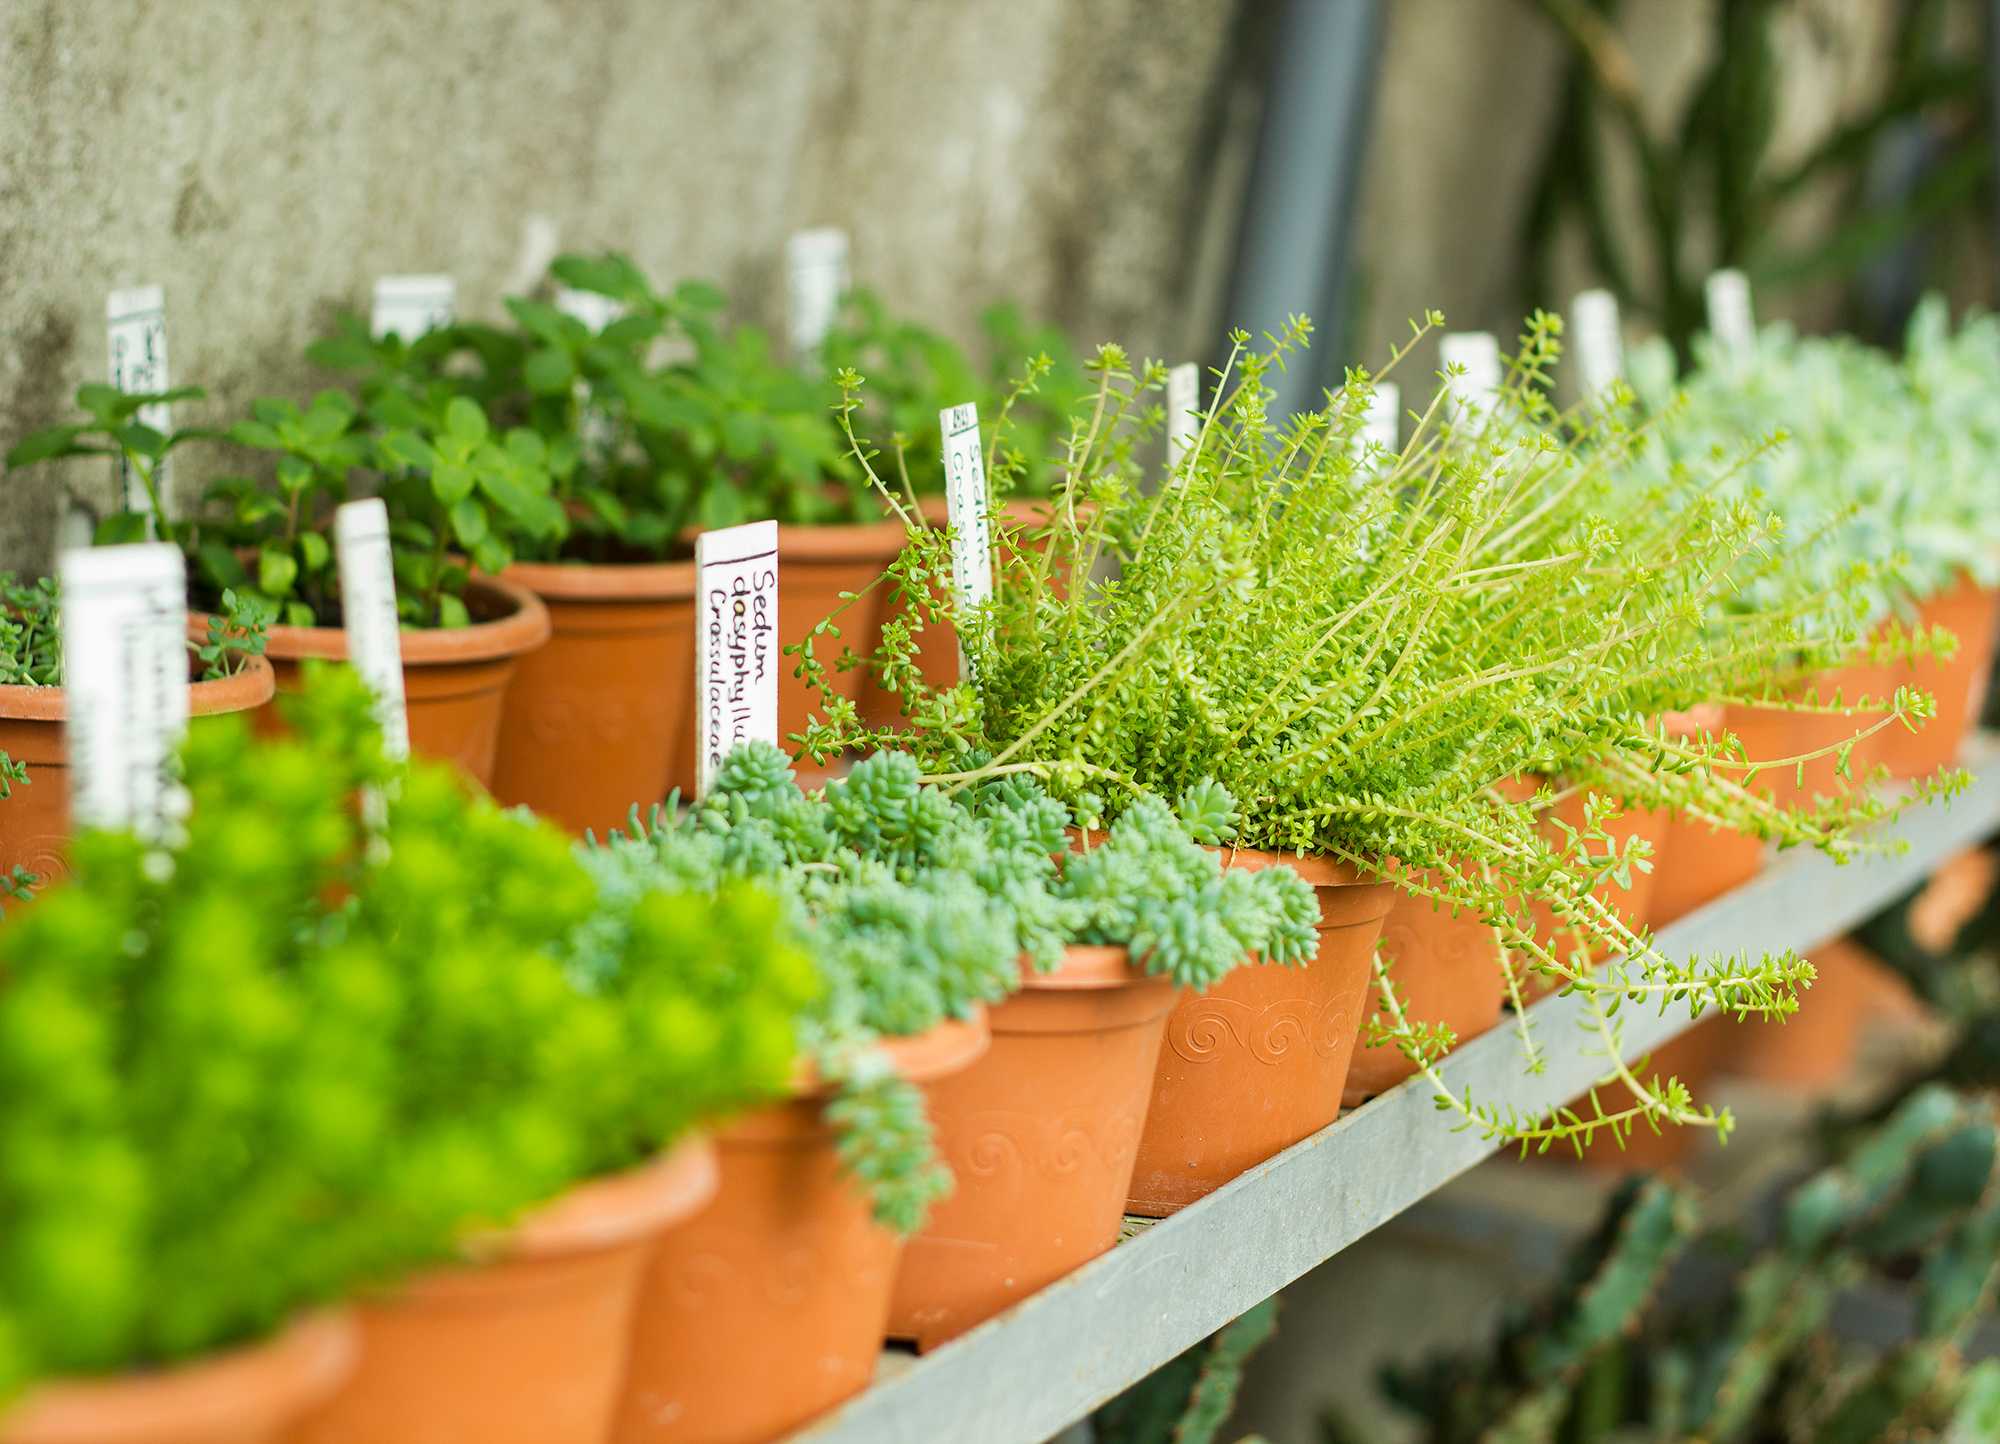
x=1401, y=699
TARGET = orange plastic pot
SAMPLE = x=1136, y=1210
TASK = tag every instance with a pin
x=1972, y=614
x=770, y=1307
x=529, y=1346
x=816, y=564
x=1632, y=905
x=1815, y=1048
x=1446, y=970
x=251, y=1395
x=602, y=717
x=1260, y=1061
x=34, y=822
x=454, y=678
x=1041, y=1134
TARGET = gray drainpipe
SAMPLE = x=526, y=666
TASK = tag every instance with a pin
x=1296, y=239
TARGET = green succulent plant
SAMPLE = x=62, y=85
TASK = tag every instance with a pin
x=1366, y=647
x=919, y=905
x=295, y=1054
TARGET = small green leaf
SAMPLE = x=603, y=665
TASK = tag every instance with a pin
x=276, y=571
x=549, y=371
x=295, y=474
x=451, y=482
x=468, y=522
x=313, y=551
x=464, y=420
x=255, y=433
x=452, y=612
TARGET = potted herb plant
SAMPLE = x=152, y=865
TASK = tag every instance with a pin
x=1364, y=646
x=453, y=486
x=227, y=673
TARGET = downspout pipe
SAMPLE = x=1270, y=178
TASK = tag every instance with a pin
x=1296, y=239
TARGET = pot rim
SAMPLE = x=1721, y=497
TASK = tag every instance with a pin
x=919, y=1057
x=1087, y=966
x=522, y=628
x=251, y=687
x=304, y=1360
x=612, y=1209
x=668, y=581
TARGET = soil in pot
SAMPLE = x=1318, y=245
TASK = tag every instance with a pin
x=1259, y=1061
x=603, y=716
x=770, y=1307
x=34, y=822
x=1041, y=1134
x=1446, y=970
x=529, y=1346
x=251, y=1395
x=1972, y=614
x=454, y=679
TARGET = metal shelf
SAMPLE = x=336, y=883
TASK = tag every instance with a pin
x=1048, y=1361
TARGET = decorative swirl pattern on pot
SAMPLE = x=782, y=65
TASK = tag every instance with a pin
x=1010, y=1149
x=1203, y=1030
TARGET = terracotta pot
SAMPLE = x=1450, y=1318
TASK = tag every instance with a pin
x=815, y=565
x=454, y=679
x=1695, y=863
x=1446, y=970
x=771, y=1306
x=1972, y=614
x=34, y=822
x=1259, y=1061
x=247, y=1396
x=1632, y=905
x=1041, y=1134
x=1815, y=1048
x=603, y=716
x=528, y=1347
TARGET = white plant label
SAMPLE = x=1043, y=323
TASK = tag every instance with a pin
x=595, y=309
x=1382, y=423
x=1731, y=321
x=411, y=306
x=1477, y=355
x=1183, y=412
x=1600, y=351
x=735, y=643
x=125, y=671
x=368, y=611
x=966, y=511
x=815, y=280
x=136, y=342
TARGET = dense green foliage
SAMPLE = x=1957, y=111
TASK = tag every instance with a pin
x=1599, y=1359
x=1883, y=455
x=1363, y=647
x=919, y=905
x=294, y=1055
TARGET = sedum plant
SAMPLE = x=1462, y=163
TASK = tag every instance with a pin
x=1369, y=648
x=919, y=906
x=1884, y=455
x=214, y=1115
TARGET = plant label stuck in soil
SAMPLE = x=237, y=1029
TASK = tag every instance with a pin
x=965, y=510
x=736, y=643
x=125, y=661
x=412, y=306
x=136, y=342
x=1183, y=412
x=368, y=608
x=815, y=280
x=1471, y=363
x=1600, y=353
x=1731, y=321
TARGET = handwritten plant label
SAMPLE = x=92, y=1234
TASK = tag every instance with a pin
x=966, y=511
x=136, y=342
x=1382, y=422
x=1183, y=412
x=815, y=280
x=1731, y=321
x=1600, y=351
x=412, y=306
x=368, y=611
x=736, y=643
x=1476, y=355
x=125, y=671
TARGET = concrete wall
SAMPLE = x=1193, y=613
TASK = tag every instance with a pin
x=264, y=160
